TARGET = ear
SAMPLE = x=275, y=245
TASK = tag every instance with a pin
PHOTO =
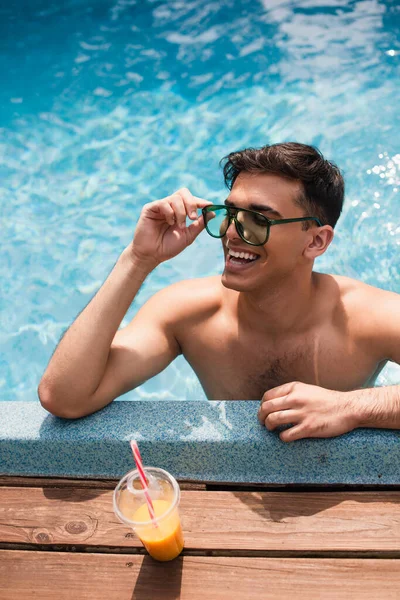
x=318, y=242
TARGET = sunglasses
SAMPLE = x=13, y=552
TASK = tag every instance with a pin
x=253, y=227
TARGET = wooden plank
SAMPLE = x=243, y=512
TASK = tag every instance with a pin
x=49, y=575
x=103, y=484
x=188, y=484
x=10, y=480
x=247, y=521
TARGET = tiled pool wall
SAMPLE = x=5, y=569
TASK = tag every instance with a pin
x=199, y=440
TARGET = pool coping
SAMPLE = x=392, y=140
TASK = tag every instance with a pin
x=194, y=440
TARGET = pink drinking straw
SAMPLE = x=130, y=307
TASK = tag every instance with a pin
x=143, y=480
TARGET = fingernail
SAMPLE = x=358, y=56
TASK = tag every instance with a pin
x=193, y=215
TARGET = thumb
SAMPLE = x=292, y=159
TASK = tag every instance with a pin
x=194, y=229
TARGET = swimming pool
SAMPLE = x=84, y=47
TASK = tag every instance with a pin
x=109, y=104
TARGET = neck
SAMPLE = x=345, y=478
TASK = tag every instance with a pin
x=280, y=307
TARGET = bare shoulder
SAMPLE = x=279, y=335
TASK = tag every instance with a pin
x=171, y=311
x=189, y=298
x=372, y=314
x=356, y=295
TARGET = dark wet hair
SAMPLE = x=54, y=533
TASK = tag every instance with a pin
x=322, y=181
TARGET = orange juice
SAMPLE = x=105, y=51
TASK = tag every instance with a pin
x=165, y=541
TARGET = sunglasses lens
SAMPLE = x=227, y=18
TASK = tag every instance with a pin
x=252, y=227
x=217, y=221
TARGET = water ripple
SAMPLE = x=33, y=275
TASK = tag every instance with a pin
x=137, y=99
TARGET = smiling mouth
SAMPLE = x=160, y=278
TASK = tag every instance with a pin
x=241, y=257
x=240, y=260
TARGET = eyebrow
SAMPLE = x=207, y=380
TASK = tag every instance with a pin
x=258, y=207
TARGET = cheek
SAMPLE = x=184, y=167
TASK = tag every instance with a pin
x=285, y=252
x=287, y=244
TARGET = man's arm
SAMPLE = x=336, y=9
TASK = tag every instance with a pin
x=314, y=411
x=380, y=407
x=93, y=363
x=377, y=407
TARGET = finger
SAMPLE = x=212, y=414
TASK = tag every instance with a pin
x=201, y=202
x=292, y=434
x=193, y=202
x=160, y=208
x=283, y=417
x=189, y=203
x=271, y=406
x=281, y=390
x=179, y=209
x=167, y=211
x=195, y=228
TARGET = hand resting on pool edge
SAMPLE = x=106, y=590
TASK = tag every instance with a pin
x=320, y=413
x=269, y=320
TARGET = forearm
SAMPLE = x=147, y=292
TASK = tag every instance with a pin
x=78, y=364
x=377, y=407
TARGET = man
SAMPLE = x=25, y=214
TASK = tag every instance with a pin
x=307, y=344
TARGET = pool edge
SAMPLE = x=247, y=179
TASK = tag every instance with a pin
x=195, y=440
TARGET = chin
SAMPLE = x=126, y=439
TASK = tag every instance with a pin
x=233, y=282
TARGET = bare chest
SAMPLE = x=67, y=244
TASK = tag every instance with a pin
x=231, y=368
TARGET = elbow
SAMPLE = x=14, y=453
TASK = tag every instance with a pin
x=54, y=404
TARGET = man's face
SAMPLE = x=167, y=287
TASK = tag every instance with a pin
x=274, y=197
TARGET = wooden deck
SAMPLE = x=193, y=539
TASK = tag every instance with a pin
x=60, y=539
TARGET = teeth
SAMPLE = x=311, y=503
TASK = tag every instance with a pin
x=245, y=255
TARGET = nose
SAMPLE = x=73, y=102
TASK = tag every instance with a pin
x=231, y=232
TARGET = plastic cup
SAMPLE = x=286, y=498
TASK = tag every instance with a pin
x=163, y=537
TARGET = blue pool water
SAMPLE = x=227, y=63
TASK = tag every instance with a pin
x=105, y=105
